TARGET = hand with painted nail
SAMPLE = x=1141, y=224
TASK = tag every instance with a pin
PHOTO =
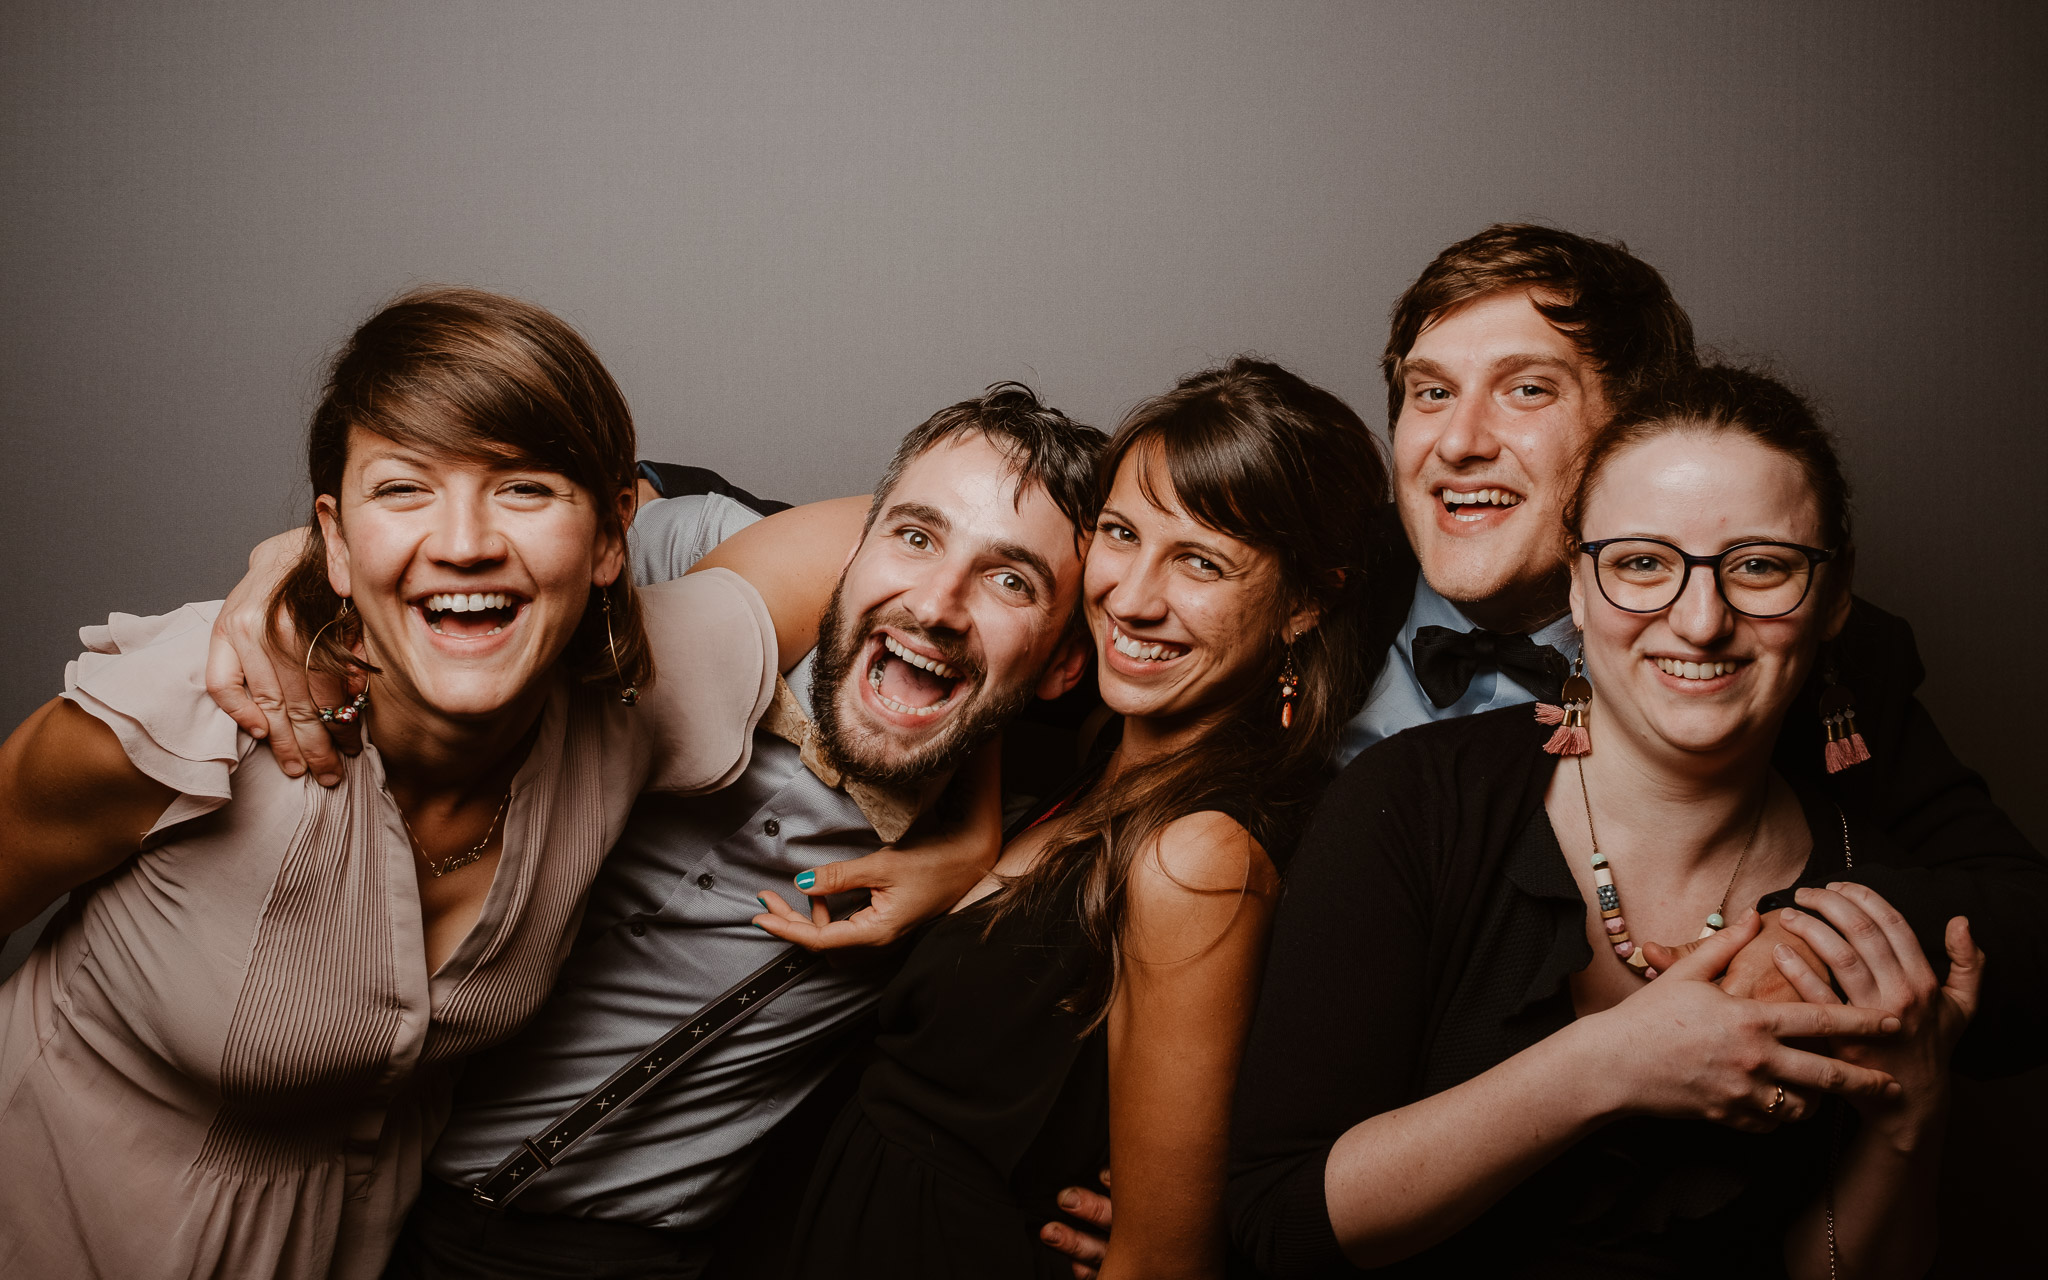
x=266, y=689
x=1084, y=1250
x=908, y=882
x=1878, y=962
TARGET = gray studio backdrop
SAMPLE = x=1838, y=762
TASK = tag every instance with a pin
x=794, y=229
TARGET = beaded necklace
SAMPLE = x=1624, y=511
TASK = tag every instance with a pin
x=1610, y=897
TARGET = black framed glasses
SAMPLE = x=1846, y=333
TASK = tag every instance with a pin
x=1755, y=579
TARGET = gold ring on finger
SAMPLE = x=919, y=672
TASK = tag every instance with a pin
x=1776, y=1099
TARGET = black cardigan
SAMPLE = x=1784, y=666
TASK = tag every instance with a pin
x=1428, y=932
x=1967, y=858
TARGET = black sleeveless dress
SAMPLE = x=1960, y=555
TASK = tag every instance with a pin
x=985, y=1099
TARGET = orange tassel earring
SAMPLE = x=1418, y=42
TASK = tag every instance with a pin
x=1571, y=738
x=1290, y=685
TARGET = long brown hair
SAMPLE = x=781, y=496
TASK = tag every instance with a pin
x=463, y=373
x=1270, y=459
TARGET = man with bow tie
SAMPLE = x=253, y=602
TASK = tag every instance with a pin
x=1504, y=357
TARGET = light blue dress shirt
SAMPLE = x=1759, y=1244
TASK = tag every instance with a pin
x=1397, y=700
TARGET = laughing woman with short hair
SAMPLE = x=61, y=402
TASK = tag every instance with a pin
x=228, y=1054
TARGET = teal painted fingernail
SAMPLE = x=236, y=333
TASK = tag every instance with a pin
x=757, y=926
x=763, y=901
x=806, y=880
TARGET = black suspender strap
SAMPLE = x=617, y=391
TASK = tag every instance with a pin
x=546, y=1149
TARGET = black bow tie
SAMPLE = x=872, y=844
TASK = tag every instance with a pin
x=1446, y=661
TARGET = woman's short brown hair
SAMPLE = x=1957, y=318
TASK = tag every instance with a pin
x=464, y=373
x=1723, y=397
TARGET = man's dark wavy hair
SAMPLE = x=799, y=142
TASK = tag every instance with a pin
x=1044, y=447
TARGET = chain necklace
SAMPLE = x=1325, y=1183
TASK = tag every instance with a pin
x=456, y=861
x=1610, y=897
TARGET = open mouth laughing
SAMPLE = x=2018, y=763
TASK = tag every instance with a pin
x=1469, y=506
x=910, y=683
x=471, y=615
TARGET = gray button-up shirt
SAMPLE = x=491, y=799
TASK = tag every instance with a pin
x=665, y=932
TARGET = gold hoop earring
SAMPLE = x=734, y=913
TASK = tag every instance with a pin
x=347, y=712
x=628, y=694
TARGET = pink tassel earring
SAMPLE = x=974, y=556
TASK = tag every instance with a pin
x=1571, y=738
x=1845, y=745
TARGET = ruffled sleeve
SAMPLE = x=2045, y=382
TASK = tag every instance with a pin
x=715, y=663
x=145, y=678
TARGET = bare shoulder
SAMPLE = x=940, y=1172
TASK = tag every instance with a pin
x=63, y=757
x=1203, y=853
x=1204, y=880
x=71, y=807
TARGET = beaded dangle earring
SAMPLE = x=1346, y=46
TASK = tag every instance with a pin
x=347, y=712
x=628, y=694
x=1290, y=685
x=1571, y=738
x=1845, y=746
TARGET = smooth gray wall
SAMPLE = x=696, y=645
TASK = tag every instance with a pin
x=794, y=229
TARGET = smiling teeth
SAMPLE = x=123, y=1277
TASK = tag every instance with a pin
x=457, y=602
x=1142, y=652
x=932, y=665
x=1477, y=498
x=1695, y=670
x=1481, y=497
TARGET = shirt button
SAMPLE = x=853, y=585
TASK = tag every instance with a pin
x=772, y=827
x=637, y=929
x=706, y=880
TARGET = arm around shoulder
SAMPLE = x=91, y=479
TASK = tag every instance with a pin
x=72, y=806
x=793, y=558
x=714, y=649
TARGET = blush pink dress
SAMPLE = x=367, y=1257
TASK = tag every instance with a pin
x=227, y=1058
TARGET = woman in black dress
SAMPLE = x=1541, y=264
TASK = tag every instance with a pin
x=1090, y=997
x=1458, y=1067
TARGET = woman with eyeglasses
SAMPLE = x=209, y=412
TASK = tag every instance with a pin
x=1466, y=1060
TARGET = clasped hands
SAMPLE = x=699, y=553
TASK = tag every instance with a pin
x=1695, y=1050
x=1743, y=1029
x=1743, y=994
